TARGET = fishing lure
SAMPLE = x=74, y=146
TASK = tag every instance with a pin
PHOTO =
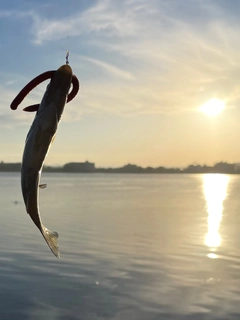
x=35, y=82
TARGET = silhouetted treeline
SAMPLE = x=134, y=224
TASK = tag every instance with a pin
x=132, y=168
x=221, y=167
x=88, y=167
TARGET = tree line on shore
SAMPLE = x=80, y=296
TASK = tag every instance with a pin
x=221, y=167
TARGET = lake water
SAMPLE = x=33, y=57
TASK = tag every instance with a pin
x=133, y=247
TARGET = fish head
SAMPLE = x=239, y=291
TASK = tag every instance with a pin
x=57, y=90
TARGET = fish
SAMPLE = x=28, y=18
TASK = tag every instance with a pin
x=38, y=142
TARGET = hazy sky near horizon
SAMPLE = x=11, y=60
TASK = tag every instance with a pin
x=145, y=67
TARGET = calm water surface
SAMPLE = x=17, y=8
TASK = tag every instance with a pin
x=132, y=247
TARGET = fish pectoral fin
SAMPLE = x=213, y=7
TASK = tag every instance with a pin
x=51, y=238
x=43, y=186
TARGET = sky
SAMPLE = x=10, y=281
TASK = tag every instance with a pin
x=145, y=67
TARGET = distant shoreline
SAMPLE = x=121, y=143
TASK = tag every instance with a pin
x=88, y=167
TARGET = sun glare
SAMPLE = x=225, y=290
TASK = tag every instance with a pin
x=213, y=107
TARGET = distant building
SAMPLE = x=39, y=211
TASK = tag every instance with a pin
x=10, y=167
x=79, y=167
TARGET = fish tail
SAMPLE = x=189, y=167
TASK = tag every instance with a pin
x=51, y=238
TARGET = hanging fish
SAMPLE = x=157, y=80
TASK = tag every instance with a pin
x=40, y=137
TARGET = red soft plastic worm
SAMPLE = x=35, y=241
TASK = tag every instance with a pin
x=36, y=81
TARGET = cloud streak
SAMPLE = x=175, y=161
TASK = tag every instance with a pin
x=110, y=69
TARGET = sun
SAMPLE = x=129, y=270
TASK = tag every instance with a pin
x=213, y=107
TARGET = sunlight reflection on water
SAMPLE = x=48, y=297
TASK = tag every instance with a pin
x=215, y=192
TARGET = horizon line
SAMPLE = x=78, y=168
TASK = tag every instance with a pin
x=130, y=164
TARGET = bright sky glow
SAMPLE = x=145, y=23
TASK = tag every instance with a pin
x=144, y=67
x=213, y=107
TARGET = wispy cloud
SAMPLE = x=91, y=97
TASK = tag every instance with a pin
x=106, y=18
x=110, y=69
